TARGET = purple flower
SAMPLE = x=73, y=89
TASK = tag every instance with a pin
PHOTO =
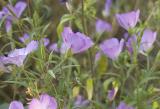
x=25, y=38
x=18, y=56
x=108, y=5
x=128, y=20
x=102, y=26
x=63, y=49
x=112, y=47
x=146, y=43
x=126, y=35
x=16, y=59
x=8, y=25
x=76, y=42
x=80, y=102
x=17, y=10
x=122, y=105
x=45, y=41
x=44, y=102
x=32, y=46
x=112, y=93
x=147, y=40
x=132, y=41
x=16, y=105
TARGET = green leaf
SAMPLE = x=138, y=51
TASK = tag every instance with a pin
x=37, y=20
x=65, y=18
x=2, y=20
x=45, y=28
x=78, y=23
x=51, y=73
x=106, y=83
x=89, y=88
x=147, y=79
x=156, y=61
x=155, y=105
x=18, y=83
x=102, y=65
x=75, y=91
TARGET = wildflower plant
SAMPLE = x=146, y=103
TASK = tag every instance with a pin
x=79, y=54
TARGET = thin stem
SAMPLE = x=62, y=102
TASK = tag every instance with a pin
x=148, y=63
x=86, y=32
x=83, y=19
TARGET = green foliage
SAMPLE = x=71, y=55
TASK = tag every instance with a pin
x=65, y=76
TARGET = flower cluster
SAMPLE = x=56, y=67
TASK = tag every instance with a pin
x=44, y=102
x=11, y=13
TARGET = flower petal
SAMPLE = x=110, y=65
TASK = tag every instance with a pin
x=19, y=8
x=123, y=105
x=35, y=104
x=112, y=47
x=24, y=38
x=16, y=105
x=147, y=40
x=108, y=5
x=128, y=20
x=48, y=102
x=8, y=25
x=102, y=26
x=32, y=46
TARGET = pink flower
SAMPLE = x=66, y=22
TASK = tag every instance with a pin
x=44, y=102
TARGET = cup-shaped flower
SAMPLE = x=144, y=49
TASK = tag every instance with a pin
x=11, y=12
x=102, y=26
x=44, y=102
x=79, y=43
x=128, y=20
x=16, y=105
x=147, y=40
x=76, y=42
x=112, y=48
x=18, y=56
x=123, y=105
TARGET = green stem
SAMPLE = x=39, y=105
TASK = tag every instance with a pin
x=83, y=18
x=86, y=32
x=148, y=63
